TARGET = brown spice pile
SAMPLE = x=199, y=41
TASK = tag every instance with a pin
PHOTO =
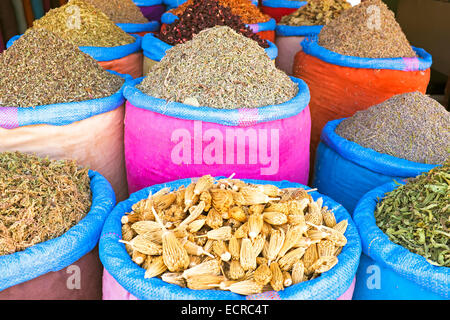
x=120, y=11
x=40, y=69
x=40, y=199
x=356, y=32
x=316, y=13
x=245, y=9
x=230, y=235
x=83, y=25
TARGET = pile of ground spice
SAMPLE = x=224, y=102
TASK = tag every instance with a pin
x=40, y=199
x=316, y=12
x=367, y=30
x=245, y=9
x=219, y=68
x=410, y=126
x=201, y=15
x=83, y=25
x=120, y=11
x=40, y=69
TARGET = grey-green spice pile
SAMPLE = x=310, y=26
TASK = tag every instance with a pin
x=40, y=199
x=120, y=11
x=367, y=30
x=410, y=126
x=219, y=68
x=417, y=215
x=40, y=69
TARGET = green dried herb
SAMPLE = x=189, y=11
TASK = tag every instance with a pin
x=40, y=199
x=219, y=68
x=417, y=215
x=120, y=11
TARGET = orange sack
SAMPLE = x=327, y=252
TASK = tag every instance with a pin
x=341, y=85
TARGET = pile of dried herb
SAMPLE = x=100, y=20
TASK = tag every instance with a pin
x=417, y=215
x=410, y=126
x=245, y=9
x=219, y=68
x=120, y=11
x=316, y=12
x=40, y=199
x=40, y=69
x=230, y=235
x=367, y=30
x=83, y=25
x=201, y=15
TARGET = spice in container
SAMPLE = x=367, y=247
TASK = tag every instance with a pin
x=265, y=255
x=120, y=11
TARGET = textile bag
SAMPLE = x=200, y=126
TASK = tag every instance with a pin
x=280, y=8
x=151, y=9
x=124, y=280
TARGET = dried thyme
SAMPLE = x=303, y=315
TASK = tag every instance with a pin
x=40, y=69
x=219, y=68
x=120, y=11
x=417, y=215
x=358, y=32
x=40, y=199
x=410, y=126
x=83, y=25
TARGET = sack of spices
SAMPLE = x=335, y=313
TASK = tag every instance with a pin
x=90, y=29
x=245, y=117
x=237, y=247
x=172, y=4
x=151, y=9
x=368, y=63
x=405, y=240
x=304, y=22
x=400, y=138
x=57, y=101
x=249, y=13
x=50, y=251
x=280, y=8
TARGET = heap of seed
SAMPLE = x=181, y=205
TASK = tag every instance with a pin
x=230, y=235
x=358, y=32
x=219, y=68
x=40, y=199
x=120, y=11
x=201, y=15
x=83, y=25
x=410, y=126
x=417, y=215
x=40, y=69
x=316, y=13
x=245, y=9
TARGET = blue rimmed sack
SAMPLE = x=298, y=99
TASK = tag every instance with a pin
x=90, y=132
x=125, y=280
x=387, y=270
x=155, y=49
x=183, y=141
x=172, y=4
x=280, y=8
x=48, y=270
x=345, y=171
x=288, y=41
x=140, y=29
x=125, y=59
x=151, y=9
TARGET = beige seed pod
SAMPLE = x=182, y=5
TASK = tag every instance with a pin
x=238, y=198
x=266, y=229
x=236, y=271
x=246, y=287
x=277, y=277
x=263, y=274
x=338, y=238
x=282, y=207
x=314, y=215
x=194, y=213
x=256, y=209
x=147, y=261
x=293, y=235
x=242, y=231
x=222, y=233
x=341, y=226
x=247, y=255
x=326, y=248
x=203, y=183
x=145, y=226
x=130, y=218
x=338, y=251
x=258, y=244
x=234, y=247
x=328, y=218
x=180, y=196
x=311, y=255
x=174, y=278
x=255, y=224
x=276, y=242
x=287, y=279
x=220, y=249
x=287, y=261
x=194, y=261
x=238, y=214
x=194, y=249
x=127, y=232
x=254, y=196
x=205, y=196
x=155, y=267
x=163, y=202
x=206, y=267
x=269, y=190
x=298, y=206
x=138, y=257
x=261, y=260
x=222, y=200
x=298, y=272
x=323, y=264
x=204, y=282
x=317, y=235
x=274, y=218
x=214, y=219
x=143, y=245
x=304, y=242
x=196, y=225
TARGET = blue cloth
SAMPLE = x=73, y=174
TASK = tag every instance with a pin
x=221, y=116
x=297, y=31
x=283, y=4
x=103, y=53
x=345, y=171
x=422, y=62
x=60, y=252
x=330, y=285
x=151, y=26
x=147, y=3
x=155, y=49
x=409, y=275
